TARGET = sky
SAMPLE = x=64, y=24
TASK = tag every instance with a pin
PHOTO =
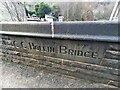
x=62, y=0
x=71, y=0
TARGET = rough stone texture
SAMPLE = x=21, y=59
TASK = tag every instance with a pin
x=19, y=76
x=92, y=59
x=44, y=53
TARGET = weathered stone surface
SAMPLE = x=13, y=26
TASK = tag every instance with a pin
x=21, y=76
x=87, y=50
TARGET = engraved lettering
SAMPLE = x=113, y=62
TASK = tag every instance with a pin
x=75, y=52
x=44, y=50
x=87, y=54
x=79, y=53
x=14, y=43
x=39, y=48
x=71, y=52
x=51, y=49
x=30, y=46
x=83, y=51
x=4, y=42
x=22, y=45
x=94, y=54
x=63, y=49
x=33, y=46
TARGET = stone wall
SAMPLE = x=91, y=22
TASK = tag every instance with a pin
x=88, y=50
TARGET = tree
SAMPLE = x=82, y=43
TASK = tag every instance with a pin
x=55, y=10
x=103, y=11
x=41, y=9
x=15, y=9
x=87, y=16
x=71, y=10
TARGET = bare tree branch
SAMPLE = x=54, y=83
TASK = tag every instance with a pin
x=15, y=10
x=5, y=4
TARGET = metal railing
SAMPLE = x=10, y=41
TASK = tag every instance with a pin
x=115, y=11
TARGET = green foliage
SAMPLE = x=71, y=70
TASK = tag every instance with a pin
x=31, y=12
x=41, y=9
x=55, y=10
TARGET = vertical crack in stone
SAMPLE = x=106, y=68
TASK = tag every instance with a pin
x=52, y=28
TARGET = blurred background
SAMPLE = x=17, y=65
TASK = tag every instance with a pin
x=56, y=10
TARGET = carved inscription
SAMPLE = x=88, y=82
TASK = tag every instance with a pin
x=60, y=49
x=74, y=52
x=41, y=48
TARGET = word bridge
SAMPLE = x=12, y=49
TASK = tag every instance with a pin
x=91, y=49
